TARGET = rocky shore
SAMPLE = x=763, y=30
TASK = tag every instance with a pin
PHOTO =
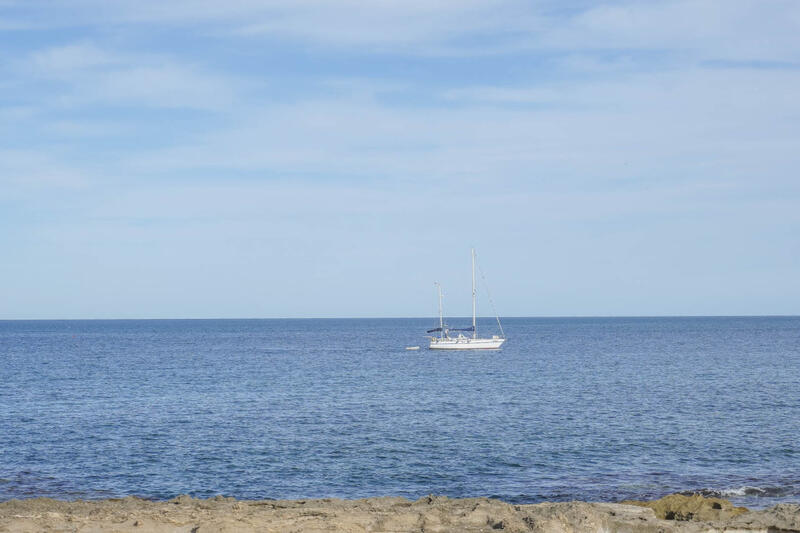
x=675, y=513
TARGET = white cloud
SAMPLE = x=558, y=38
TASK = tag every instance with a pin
x=97, y=76
x=172, y=86
x=729, y=29
x=28, y=169
x=84, y=130
x=60, y=60
x=412, y=26
x=506, y=95
x=706, y=29
x=637, y=123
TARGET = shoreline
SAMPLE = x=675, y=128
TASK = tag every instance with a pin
x=441, y=514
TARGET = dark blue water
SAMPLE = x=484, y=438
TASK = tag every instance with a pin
x=590, y=409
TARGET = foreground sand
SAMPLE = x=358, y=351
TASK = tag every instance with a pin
x=430, y=514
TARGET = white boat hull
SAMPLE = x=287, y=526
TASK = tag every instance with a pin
x=466, y=343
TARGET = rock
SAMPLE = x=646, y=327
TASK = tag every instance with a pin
x=432, y=514
x=694, y=507
x=181, y=499
x=781, y=518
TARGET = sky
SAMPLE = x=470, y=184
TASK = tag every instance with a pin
x=309, y=158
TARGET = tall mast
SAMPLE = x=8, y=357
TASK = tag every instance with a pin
x=474, y=329
x=441, y=320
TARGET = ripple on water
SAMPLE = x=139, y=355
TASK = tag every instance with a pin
x=591, y=409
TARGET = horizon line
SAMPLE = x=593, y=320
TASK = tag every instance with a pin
x=389, y=317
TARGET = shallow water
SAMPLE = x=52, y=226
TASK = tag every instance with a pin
x=588, y=409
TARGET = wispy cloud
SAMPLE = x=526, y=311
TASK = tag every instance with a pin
x=744, y=29
x=636, y=126
x=507, y=95
x=36, y=170
x=65, y=60
x=90, y=75
x=704, y=29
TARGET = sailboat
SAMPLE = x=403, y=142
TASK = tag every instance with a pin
x=464, y=342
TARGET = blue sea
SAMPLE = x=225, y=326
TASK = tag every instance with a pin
x=570, y=408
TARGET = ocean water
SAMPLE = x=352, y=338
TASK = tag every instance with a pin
x=589, y=409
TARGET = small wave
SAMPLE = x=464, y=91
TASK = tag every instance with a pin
x=739, y=492
x=524, y=499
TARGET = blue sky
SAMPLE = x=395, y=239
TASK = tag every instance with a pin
x=319, y=159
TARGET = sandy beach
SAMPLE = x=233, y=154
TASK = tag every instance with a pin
x=676, y=513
